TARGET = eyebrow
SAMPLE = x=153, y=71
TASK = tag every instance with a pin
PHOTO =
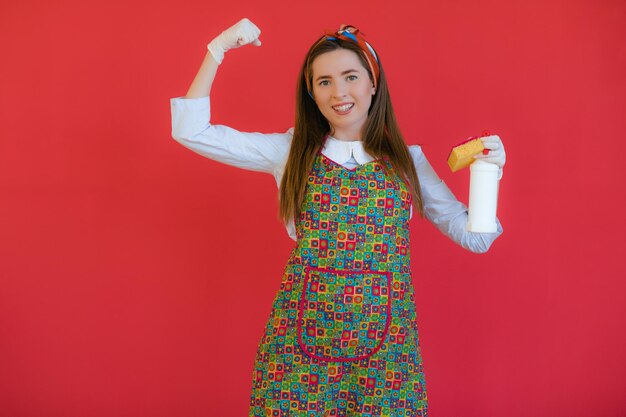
x=322, y=77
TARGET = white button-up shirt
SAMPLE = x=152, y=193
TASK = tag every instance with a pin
x=268, y=153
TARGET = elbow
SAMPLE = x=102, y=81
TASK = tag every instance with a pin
x=479, y=249
x=183, y=132
x=180, y=136
x=480, y=242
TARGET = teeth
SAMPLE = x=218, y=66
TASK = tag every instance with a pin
x=344, y=107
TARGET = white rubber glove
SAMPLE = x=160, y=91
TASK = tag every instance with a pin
x=241, y=33
x=496, y=153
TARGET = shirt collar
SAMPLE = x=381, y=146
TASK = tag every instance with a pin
x=341, y=151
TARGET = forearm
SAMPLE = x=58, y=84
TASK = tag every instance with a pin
x=242, y=33
x=201, y=85
x=443, y=209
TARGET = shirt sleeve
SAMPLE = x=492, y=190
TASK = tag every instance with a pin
x=191, y=127
x=444, y=211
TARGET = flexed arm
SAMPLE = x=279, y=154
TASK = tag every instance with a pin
x=241, y=33
x=191, y=114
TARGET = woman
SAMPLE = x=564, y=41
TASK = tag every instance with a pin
x=342, y=337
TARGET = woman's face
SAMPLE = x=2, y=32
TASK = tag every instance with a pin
x=342, y=91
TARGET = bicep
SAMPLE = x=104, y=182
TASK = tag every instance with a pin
x=254, y=151
x=248, y=150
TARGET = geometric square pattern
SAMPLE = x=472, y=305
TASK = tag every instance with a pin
x=342, y=337
x=344, y=315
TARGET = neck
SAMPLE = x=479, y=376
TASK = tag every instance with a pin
x=345, y=135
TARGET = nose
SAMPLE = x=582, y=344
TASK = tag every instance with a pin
x=339, y=90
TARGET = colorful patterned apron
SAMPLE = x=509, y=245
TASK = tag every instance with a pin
x=342, y=336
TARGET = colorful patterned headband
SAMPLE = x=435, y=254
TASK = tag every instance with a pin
x=348, y=33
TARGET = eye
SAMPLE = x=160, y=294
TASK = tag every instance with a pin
x=324, y=82
x=352, y=77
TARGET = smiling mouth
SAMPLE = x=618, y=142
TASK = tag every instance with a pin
x=343, y=108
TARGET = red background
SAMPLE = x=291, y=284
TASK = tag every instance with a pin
x=136, y=276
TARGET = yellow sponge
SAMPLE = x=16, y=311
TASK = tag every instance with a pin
x=462, y=155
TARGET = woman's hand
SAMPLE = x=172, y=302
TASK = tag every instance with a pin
x=496, y=153
x=241, y=33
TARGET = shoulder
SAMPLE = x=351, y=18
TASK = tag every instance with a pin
x=416, y=154
x=284, y=141
x=287, y=138
x=285, y=146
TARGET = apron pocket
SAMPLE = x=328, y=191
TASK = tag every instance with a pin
x=344, y=315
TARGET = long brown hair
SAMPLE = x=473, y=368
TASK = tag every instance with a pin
x=381, y=137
